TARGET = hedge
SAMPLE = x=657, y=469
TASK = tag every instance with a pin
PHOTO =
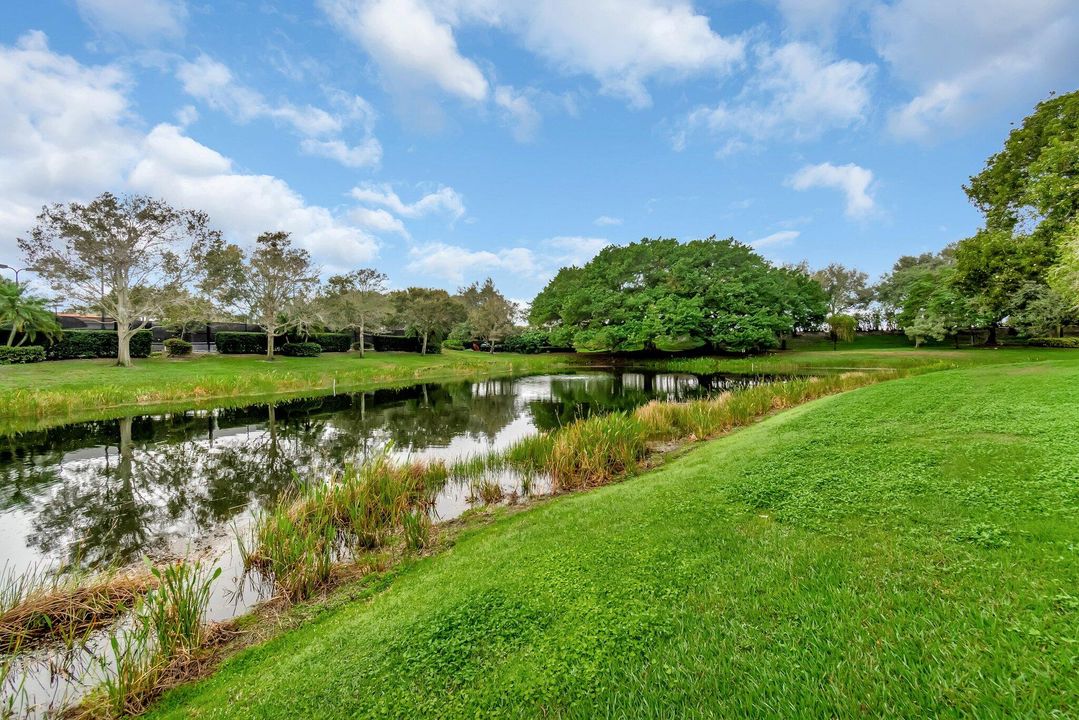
x=330, y=342
x=97, y=344
x=241, y=343
x=175, y=347
x=20, y=355
x=1064, y=342
x=301, y=349
x=402, y=343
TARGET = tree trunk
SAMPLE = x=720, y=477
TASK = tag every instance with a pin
x=956, y=339
x=269, y=345
x=423, y=348
x=992, y=339
x=361, y=339
x=123, y=346
x=11, y=335
x=491, y=341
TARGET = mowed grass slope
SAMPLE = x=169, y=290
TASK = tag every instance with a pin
x=907, y=549
x=71, y=386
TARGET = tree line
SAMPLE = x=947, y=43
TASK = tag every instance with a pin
x=1020, y=269
x=138, y=259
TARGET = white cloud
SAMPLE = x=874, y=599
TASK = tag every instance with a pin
x=797, y=91
x=444, y=200
x=621, y=43
x=852, y=180
x=212, y=82
x=68, y=132
x=367, y=154
x=967, y=58
x=604, y=220
x=409, y=44
x=818, y=18
x=457, y=264
x=450, y=262
x=378, y=220
x=518, y=112
x=783, y=238
x=140, y=20
x=187, y=115
x=573, y=250
x=243, y=205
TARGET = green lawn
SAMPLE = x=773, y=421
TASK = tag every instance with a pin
x=907, y=549
x=70, y=387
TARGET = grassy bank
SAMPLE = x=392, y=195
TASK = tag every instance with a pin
x=903, y=549
x=71, y=387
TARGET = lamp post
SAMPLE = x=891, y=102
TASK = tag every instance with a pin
x=16, y=270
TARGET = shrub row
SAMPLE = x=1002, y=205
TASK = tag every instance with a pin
x=330, y=342
x=97, y=344
x=20, y=355
x=175, y=347
x=1064, y=342
x=254, y=343
x=240, y=343
x=301, y=349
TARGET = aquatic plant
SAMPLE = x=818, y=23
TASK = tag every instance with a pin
x=488, y=491
x=38, y=606
x=595, y=451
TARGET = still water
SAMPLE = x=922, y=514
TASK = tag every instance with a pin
x=105, y=492
x=108, y=492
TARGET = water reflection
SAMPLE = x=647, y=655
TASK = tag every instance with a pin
x=110, y=491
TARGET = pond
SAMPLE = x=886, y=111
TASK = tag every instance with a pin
x=108, y=492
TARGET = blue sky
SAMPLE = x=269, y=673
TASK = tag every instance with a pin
x=446, y=140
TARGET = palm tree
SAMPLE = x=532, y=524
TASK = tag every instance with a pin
x=24, y=313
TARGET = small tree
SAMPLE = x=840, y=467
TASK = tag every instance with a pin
x=1040, y=311
x=271, y=285
x=183, y=311
x=121, y=255
x=925, y=325
x=841, y=329
x=490, y=314
x=25, y=314
x=845, y=287
x=427, y=313
x=356, y=301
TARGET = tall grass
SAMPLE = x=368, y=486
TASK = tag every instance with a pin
x=166, y=628
x=296, y=543
x=595, y=451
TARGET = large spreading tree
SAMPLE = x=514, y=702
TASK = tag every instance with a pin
x=124, y=256
x=670, y=296
x=1029, y=194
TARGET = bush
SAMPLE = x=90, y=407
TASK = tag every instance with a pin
x=332, y=342
x=175, y=347
x=1064, y=342
x=20, y=355
x=303, y=349
x=240, y=343
x=528, y=342
x=96, y=344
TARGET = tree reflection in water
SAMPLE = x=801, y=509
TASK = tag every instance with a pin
x=109, y=491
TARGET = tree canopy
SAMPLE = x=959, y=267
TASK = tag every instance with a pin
x=122, y=255
x=665, y=295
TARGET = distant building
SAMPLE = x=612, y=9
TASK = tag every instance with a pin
x=75, y=321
